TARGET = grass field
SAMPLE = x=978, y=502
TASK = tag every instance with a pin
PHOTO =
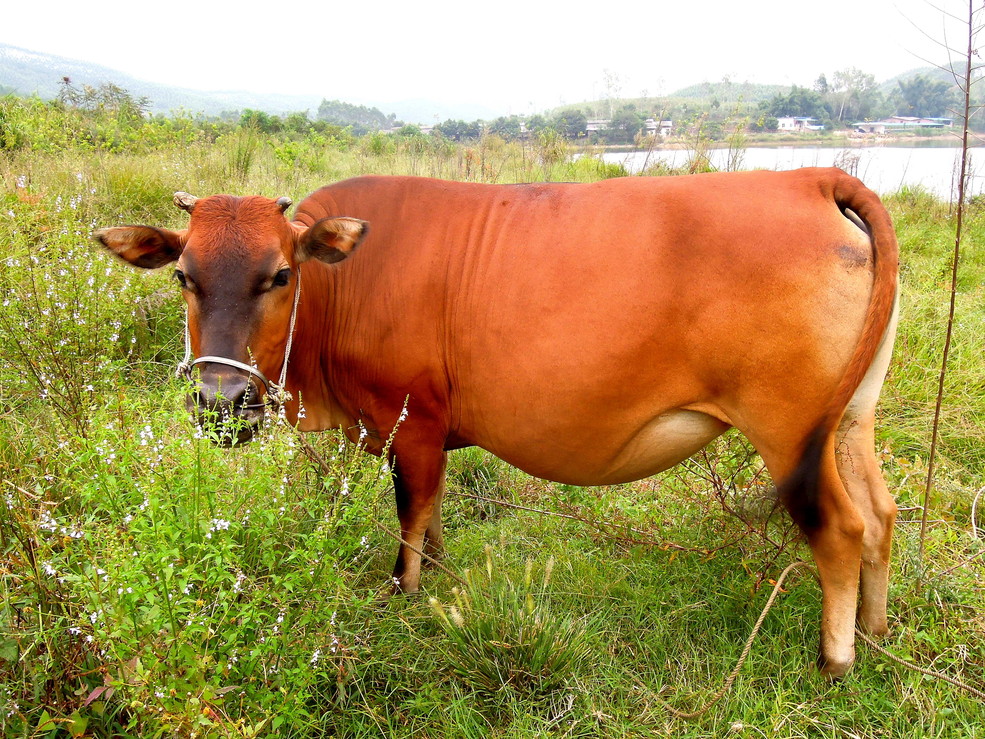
x=153, y=585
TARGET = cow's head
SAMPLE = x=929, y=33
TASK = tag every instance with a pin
x=238, y=267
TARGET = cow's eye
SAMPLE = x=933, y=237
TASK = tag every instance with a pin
x=281, y=278
x=180, y=277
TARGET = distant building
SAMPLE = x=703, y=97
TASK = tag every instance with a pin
x=654, y=127
x=798, y=123
x=900, y=123
x=651, y=126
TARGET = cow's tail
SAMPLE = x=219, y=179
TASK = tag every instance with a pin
x=800, y=491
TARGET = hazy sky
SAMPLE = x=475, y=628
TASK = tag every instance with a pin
x=514, y=55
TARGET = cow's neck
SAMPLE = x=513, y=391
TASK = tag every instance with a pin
x=311, y=370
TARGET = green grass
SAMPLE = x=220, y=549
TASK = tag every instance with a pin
x=153, y=585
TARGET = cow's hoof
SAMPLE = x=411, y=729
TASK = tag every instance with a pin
x=834, y=669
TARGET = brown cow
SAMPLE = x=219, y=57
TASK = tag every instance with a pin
x=586, y=333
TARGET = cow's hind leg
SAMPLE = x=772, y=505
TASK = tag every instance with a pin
x=864, y=482
x=821, y=506
x=836, y=543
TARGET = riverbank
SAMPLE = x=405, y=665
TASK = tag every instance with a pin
x=833, y=141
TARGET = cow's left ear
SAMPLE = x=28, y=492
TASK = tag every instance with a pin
x=142, y=246
x=331, y=239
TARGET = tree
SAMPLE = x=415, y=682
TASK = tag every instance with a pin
x=625, y=124
x=613, y=86
x=925, y=97
x=260, y=121
x=458, y=130
x=855, y=93
x=537, y=123
x=107, y=98
x=798, y=102
x=765, y=122
x=360, y=117
x=571, y=124
x=298, y=123
x=507, y=128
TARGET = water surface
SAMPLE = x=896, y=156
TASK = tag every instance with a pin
x=885, y=169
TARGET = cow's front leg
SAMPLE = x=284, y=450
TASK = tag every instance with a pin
x=434, y=540
x=418, y=481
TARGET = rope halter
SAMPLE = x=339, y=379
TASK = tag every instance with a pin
x=276, y=393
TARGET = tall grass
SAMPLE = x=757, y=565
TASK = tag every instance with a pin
x=153, y=585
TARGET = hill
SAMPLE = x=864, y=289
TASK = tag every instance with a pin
x=28, y=72
x=729, y=92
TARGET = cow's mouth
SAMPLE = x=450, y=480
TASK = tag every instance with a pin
x=226, y=425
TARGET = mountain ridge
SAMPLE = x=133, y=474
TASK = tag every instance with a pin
x=30, y=72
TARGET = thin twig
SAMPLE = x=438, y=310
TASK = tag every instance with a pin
x=22, y=491
x=312, y=454
x=514, y=505
x=922, y=670
x=970, y=559
x=755, y=631
x=974, y=512
x=954, y=281
x=745, y=650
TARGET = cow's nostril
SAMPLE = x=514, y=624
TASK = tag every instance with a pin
x=222, y=392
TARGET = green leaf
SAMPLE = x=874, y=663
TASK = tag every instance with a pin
x=9, y=650
x=77, y=724
x=45, y=722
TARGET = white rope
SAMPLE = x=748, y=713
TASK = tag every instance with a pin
x=974, y=513
x=278, y=393
x=184, y=367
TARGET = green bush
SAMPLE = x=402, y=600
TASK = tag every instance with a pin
x=164, y=586
x=503, y=637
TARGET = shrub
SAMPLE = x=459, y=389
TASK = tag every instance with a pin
x=504, y=637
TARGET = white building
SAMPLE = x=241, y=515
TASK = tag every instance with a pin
x=798, y=123
x=654, y=127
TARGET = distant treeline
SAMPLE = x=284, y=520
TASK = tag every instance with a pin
x=853, y=96
x=362, y=118
x=109, y=118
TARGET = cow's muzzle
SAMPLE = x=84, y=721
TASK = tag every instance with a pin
x=226, y=399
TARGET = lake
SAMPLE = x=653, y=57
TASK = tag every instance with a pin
x=885, y=169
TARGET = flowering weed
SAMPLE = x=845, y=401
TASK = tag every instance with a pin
x=152, y=584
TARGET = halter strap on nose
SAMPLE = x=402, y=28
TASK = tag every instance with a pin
x=232, y=363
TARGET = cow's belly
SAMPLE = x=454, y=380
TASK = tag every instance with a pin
x=668, y=439
x=661, y=443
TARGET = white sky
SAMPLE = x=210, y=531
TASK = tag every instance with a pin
x=513, y=55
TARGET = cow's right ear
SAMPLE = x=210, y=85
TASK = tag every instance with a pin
x=142, y=246
x=331, y=239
